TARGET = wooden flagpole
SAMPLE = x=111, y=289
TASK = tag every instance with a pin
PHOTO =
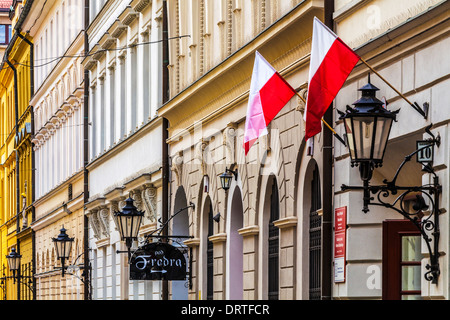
x=328, y=126
x=414, y=105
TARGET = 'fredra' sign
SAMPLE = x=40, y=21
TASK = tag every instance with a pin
x=158, y=261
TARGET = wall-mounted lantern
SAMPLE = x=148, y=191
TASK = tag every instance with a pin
x=226, y=178
x=367, y=128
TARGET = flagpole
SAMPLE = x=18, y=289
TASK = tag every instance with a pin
x=328, y=126
x=414, y=105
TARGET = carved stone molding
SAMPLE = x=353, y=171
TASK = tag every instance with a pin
x=140, y=5
x=249, y=231
x=288, y=222
x=137, y=197
x=99, y=221
x=229, y=142
x=300, y=104
x=113, y=208
x=177, y=167
x=199, y=154
x=104, y=219
x=148, y=195
x=94, y=222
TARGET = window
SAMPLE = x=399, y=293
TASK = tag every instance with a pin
x=402, y=257
x=273, y=245
x=210, y=257
x=5, y=33
x=315, y=238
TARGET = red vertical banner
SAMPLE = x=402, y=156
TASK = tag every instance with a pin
x=340, y=243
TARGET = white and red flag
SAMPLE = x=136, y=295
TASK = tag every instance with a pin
x=330, y=64
x=269, y=93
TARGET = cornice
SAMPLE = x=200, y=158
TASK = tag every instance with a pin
x=287, y=222
x=71, y=180
x=249, y=231
x=234, y=72
x=220, y=237
x=57, y=214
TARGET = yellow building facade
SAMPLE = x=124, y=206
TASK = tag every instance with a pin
x=16, y=169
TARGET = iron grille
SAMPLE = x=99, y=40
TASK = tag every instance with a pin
x=273, y=245
x=26, y=284
x=315, y=239
x=210, y=258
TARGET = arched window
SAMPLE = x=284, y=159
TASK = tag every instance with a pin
x=210, y=257
x=180, y=226
x=273, y=245
x=235, y=248
x=315, y=234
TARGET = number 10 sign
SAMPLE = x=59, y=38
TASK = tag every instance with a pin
x=425, y=152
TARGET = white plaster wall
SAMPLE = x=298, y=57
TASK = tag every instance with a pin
x=421, y=73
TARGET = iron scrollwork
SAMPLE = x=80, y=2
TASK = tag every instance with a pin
x=423, y=198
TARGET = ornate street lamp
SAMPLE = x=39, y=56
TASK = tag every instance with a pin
x=14, y=264
x=225, y=178
x=13, y=259
x=367, y=127
x=63, y=246
x=128, y=222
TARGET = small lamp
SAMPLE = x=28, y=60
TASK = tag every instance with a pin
x=225, y=178
x=13, y=259
x=128, y=222
x=63, y=246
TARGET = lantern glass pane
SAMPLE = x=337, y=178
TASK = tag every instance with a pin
x=226, y=181
x=58, y=248
x=363, y=135
x=381, y=137
x=13, y=262
x=63, y=248
x=350, y=139
x=121, y=223
x=67, y=248
x=136, y=224
x=129, y=226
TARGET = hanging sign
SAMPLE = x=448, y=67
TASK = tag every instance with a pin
x=340, y=244
x=158, y=261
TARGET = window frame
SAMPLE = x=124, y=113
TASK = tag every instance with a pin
x=393, y=232
x=8, y=34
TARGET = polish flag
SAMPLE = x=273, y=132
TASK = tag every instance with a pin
x=330, y=65
x=269, y=93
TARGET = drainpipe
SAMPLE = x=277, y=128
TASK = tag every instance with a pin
x=16, y=110
x=327, y=230
x=87, y=271
x=31, y=62
x=165, y=147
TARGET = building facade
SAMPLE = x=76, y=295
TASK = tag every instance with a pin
x=16, y=164
x=58, y=108
x=125, y=136
x=264, y=237
x=107, y=100
x=393, y=38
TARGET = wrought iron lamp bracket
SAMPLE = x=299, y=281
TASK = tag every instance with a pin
x=85, y=275
x=429, y=225
x=25, y=280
